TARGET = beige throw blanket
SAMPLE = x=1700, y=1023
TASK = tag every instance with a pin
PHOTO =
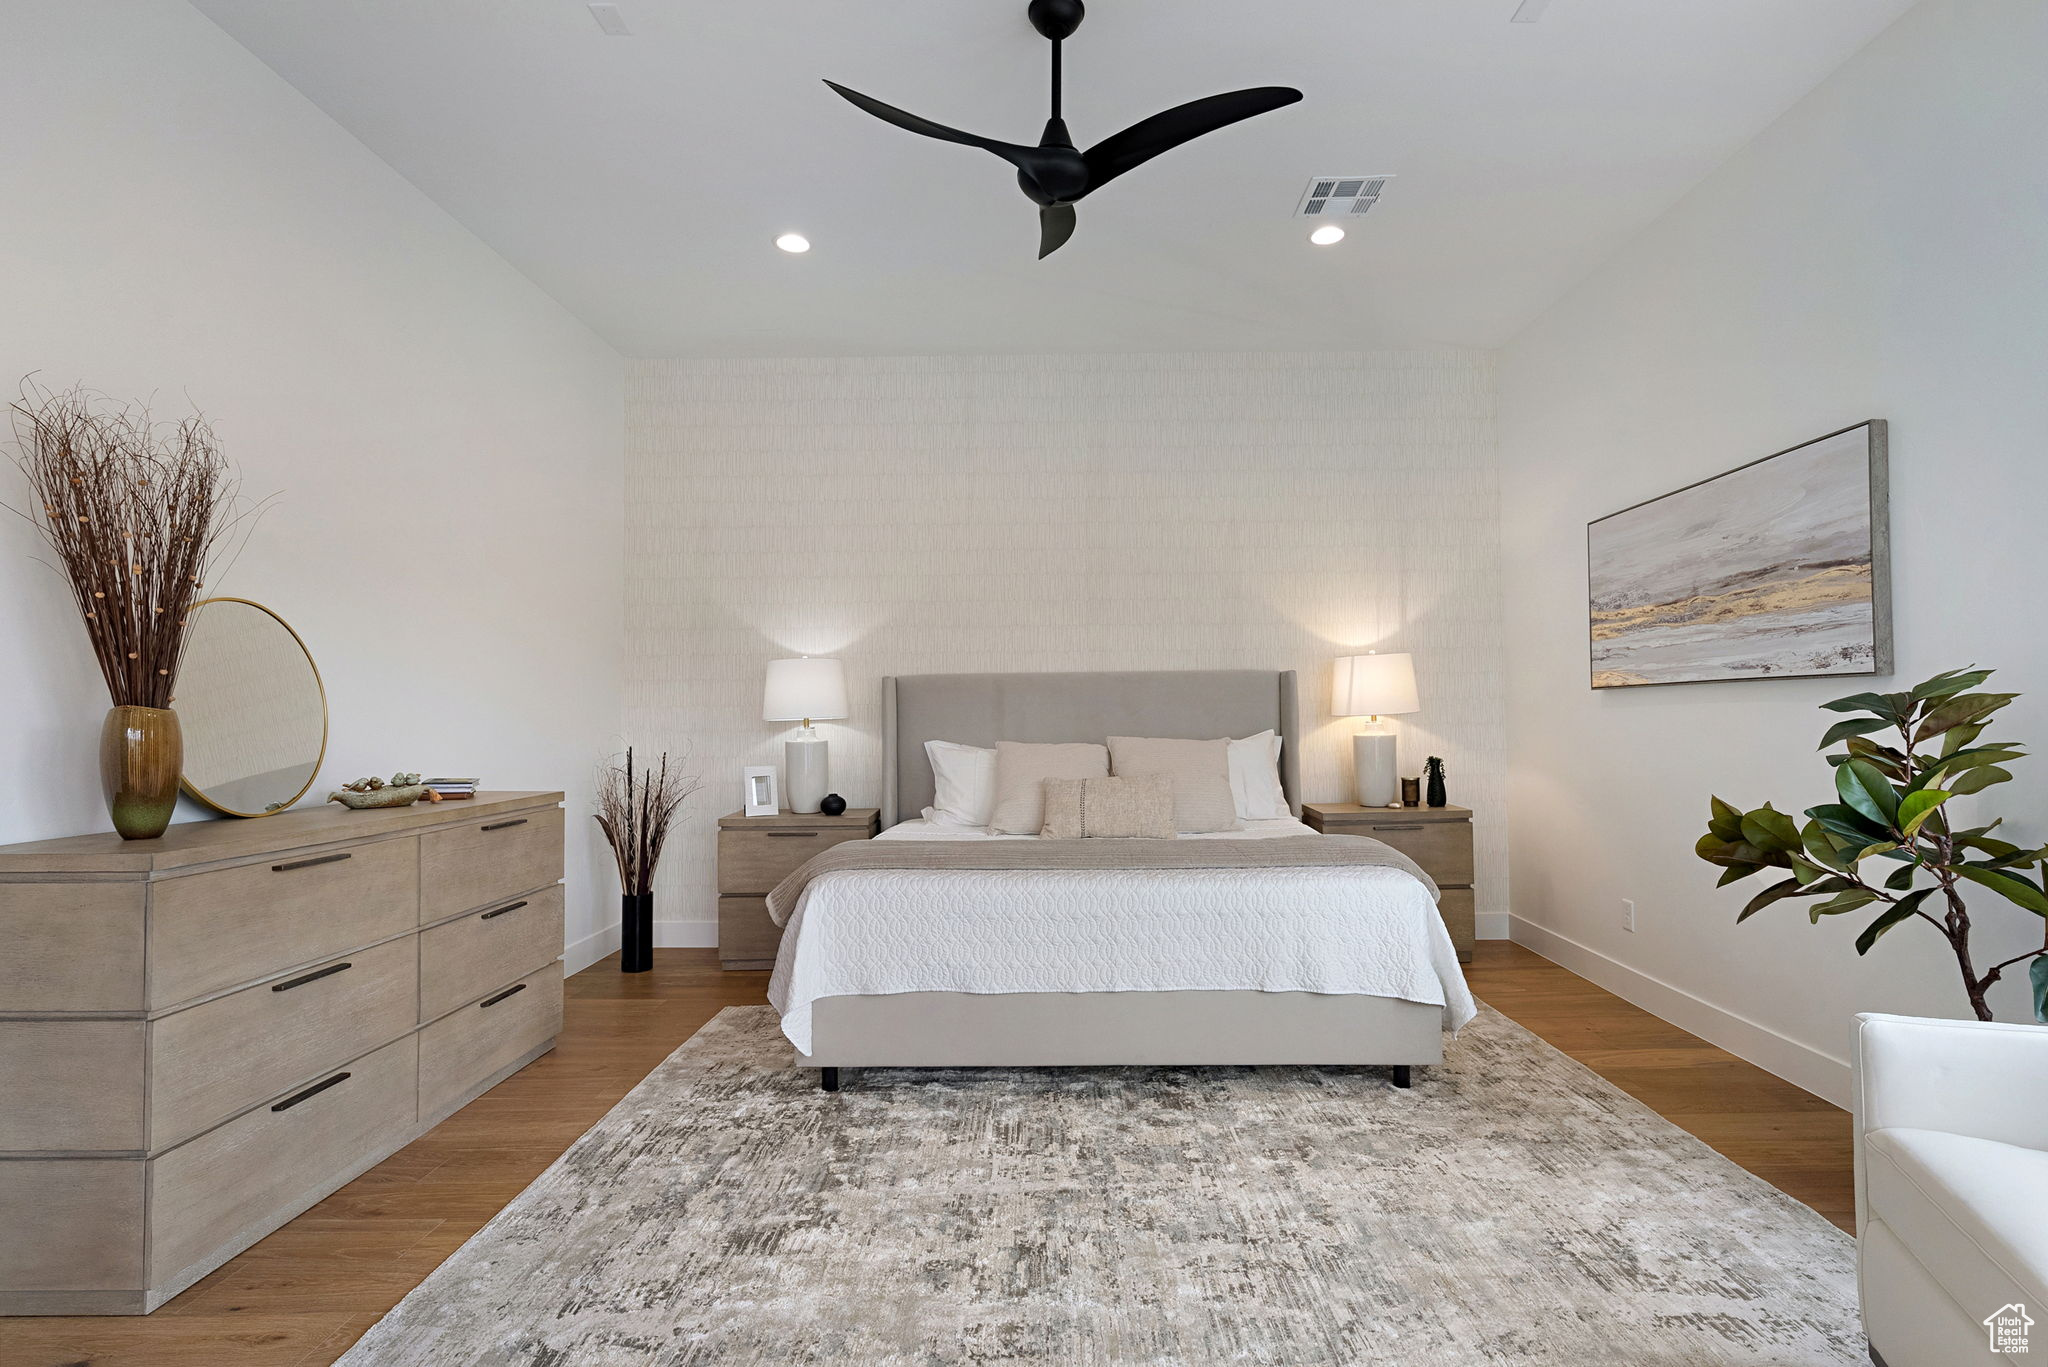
x=1284, y=852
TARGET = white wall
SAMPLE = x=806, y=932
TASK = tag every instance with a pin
x=1878, y=252
x=175, y=220
x=928, y=515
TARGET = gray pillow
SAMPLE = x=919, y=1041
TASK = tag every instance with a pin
x=1021, y=772
x=1200, y=770
x=1109, y=808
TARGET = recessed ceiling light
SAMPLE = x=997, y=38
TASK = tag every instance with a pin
x=1326, y=235
x=793, y=242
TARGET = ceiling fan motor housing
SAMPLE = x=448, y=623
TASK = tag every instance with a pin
x=1056, y=19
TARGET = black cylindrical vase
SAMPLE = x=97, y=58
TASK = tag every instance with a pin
x=636, y=932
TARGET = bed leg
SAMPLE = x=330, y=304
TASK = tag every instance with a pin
x=1402, y=1076
x=828, y=1079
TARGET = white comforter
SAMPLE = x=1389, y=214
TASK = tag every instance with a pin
x=1366, y=931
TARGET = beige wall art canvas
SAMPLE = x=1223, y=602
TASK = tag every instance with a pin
x=1777, y=569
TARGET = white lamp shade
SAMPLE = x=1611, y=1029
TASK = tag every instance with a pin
x=804, y=690
x=1373, y=686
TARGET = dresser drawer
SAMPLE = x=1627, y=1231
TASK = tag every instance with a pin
x=212, y=930
x=747, y=936
x=210, y=1061
x=1443, y=848
x=751, y=863
x=224, y=1190
x=462, y=1052
x=464, y=959
x=489, y=860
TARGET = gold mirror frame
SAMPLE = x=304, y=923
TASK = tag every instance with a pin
x=201, y=798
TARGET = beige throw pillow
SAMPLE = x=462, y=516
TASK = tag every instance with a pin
x=1021, y=772
x=1199, y=769
x=1109, y=808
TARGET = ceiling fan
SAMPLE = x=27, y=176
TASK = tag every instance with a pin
x=1055, y=174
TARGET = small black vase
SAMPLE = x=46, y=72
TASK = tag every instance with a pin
x=1434, y=771
x=636, y=932
x=833, y=805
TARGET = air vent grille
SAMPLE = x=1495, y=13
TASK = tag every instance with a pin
x=1340, y=196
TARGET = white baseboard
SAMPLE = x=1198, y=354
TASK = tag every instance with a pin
x=1801, y=1065
x=588, y=950
x=1492, y=925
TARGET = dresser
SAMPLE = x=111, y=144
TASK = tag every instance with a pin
x=1437, y=838
x=202, y=1035
x=757, y=852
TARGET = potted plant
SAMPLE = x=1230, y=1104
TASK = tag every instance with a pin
x=135, y=513
x=635, y=808
x=1905, y=756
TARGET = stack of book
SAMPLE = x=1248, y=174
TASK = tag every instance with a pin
x=453, y=787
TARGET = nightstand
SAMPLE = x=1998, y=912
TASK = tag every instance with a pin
x=1438, y=838
x=757, y=852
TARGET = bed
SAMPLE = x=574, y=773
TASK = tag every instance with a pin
x=894, y=967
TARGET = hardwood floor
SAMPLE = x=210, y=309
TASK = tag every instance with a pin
x=303, y=1295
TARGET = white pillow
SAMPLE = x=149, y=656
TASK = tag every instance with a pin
x=1255, y=778
x=964, y=781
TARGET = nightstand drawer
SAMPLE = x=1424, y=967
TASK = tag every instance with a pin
x=1443, y=848
x=751, y=863
x=747, y=936
x=1460, y=913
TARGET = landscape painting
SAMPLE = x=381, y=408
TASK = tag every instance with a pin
x=1778, y=569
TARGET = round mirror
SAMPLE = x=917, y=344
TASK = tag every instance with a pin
x=252, y=709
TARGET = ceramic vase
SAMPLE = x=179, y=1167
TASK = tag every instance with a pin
x=636, y=932
x=142, y=752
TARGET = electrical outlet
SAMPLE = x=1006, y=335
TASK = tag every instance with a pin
x=1628, y=914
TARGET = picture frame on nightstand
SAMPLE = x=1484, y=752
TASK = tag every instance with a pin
x=761, y=797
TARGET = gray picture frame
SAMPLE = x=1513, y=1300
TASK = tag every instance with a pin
x=1878, y=503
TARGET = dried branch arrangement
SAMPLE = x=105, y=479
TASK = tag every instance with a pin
x=138, y=514
x=635, y=809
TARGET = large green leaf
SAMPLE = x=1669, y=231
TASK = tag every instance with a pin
x=1850, y=900
x=1735, y=873
x=1866, y=790
x=1865, y=702
x=1977, y=780
x=1959, y=736
x=1767, y=828
x=1724, y=819
x=1949, y=683
x=1854, y=726
x=1917, y=807
x=2010, y=886
x=1975, y=758
x=2038, y=972
x=1819, y=847
x=1733, y=853
x=1847, y=824
x=1964, y=710
x=1900, y=910
x=1776, y=892
x=1902, y=878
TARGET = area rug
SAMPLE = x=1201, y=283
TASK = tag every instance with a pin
x=1512, y=1207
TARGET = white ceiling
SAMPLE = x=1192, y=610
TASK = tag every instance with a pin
x=642, y=180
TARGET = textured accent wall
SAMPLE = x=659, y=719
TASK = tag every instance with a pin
x=943, y=514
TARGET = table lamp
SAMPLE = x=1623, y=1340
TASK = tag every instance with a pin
x=804, y=690
x=1374, y=686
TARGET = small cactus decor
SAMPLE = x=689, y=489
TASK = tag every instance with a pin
x=400, y=790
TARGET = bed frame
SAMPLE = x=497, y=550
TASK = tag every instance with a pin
x=1082, y=1029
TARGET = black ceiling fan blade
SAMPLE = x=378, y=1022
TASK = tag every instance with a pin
x=1055, y=226
x=913, y=123
x=1163, y=132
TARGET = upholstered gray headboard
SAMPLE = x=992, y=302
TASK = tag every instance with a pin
x=981, y=709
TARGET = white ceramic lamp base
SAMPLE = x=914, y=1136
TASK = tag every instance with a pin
x=805, y=776
x=1376, y=763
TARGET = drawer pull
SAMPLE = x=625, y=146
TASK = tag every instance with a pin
x=502, y=825
x=514, y=990
x=500, y=911
x=310, y=1092
x=315, y=976
x=792, y=835
x=309, y=863
x=1415, y=827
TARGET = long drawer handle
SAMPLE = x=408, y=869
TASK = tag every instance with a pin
x=315, y=976
x=514, y=990
x=501, y=825
x=309, y=863
x=793, y=835
x=500, y=911
x=1415, y=827
x=311, y=1092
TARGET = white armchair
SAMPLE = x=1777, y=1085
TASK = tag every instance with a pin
x=1951, y=1187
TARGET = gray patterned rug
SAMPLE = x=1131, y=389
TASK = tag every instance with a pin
x=1512, y=1208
